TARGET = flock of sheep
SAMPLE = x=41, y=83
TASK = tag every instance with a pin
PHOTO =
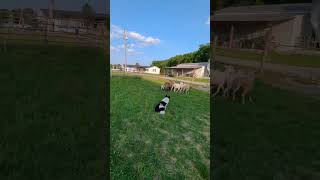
x=232, y=83
x=228, y=83
x=175, y=87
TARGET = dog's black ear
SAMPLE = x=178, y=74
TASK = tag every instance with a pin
x=168, y=97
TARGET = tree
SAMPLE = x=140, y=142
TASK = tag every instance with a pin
x=203, y=54
x=28, y=16
x=4, y=15
x=137, y=65
x=88, y=15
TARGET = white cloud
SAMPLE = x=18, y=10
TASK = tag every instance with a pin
x=117, y=32
x=136, y=40
x=136, y=36
x=208, y=21
x=131, y=50
x=114, y=49
x=130, y=45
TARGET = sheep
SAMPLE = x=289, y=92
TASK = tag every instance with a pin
x=220, y=78
x=246, y=83
x=230, y=80
x=167, y=86
x=185, y=88
x=176, y=87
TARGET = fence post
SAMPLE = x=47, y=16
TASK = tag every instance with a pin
x=231, y=36
x=266, y=48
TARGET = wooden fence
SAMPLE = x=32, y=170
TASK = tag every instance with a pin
x=39, y=36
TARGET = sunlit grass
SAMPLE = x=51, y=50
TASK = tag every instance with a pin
x=145, y=144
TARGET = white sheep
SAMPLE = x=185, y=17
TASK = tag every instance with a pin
x=220, y=78
x=185, y=88
x=246, y=82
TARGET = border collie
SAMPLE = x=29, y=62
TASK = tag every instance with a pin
x=161, y=107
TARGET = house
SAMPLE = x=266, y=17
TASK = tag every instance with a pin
x=72, y=21
x=198, y=70
x=246, y=26
x=63, y=20
x=130, y=68
x=116, y=67
x=142, y=69
x=17, y=18
x=153, y=70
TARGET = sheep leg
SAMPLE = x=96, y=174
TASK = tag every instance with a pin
x=250, y=99
x=242, y=98
x=218, y=90
x=225, y=92
x=244, y=93
x=234, y=93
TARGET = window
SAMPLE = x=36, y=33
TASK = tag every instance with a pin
x=154, y=70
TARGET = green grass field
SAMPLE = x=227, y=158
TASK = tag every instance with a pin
x=276, y=58
x=277, y=137
x=52, y=113
x=147, y=145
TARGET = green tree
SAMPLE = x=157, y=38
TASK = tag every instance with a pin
x=203, y=54
x=4, y=15
x=28, y=16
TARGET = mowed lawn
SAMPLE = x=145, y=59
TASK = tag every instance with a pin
x=147, y=145
x=277, y=137
x=53, y=113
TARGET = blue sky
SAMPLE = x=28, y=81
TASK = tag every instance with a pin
x=157, y=29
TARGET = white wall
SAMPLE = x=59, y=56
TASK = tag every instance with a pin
x=287, y=33
x=153, y=70
x=129, y=69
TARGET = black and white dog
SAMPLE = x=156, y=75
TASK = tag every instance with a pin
x=161, y=107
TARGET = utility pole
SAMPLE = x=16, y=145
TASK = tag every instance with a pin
x=268, y=39
x=51, y=23
x=125, y=49
x=21, y=20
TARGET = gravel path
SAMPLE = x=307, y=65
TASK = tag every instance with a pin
x=292, y=71
x=287, y=79
x=196, y=85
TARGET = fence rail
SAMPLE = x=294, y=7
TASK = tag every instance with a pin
x=8, y=36
x=302, y=43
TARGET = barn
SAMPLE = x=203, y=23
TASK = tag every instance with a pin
x=246, y=26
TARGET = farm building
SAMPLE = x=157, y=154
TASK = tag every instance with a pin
x=130, y=68
x=116, y=67
x=63, y=21
x=72, y=21
x=246, y=26
x=198, y=70
x=142, y=69
x=18, y=18
x=153, y=70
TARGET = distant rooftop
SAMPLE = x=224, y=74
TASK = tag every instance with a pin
x=61, y=14
x=275, y=12
x=189, y=65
